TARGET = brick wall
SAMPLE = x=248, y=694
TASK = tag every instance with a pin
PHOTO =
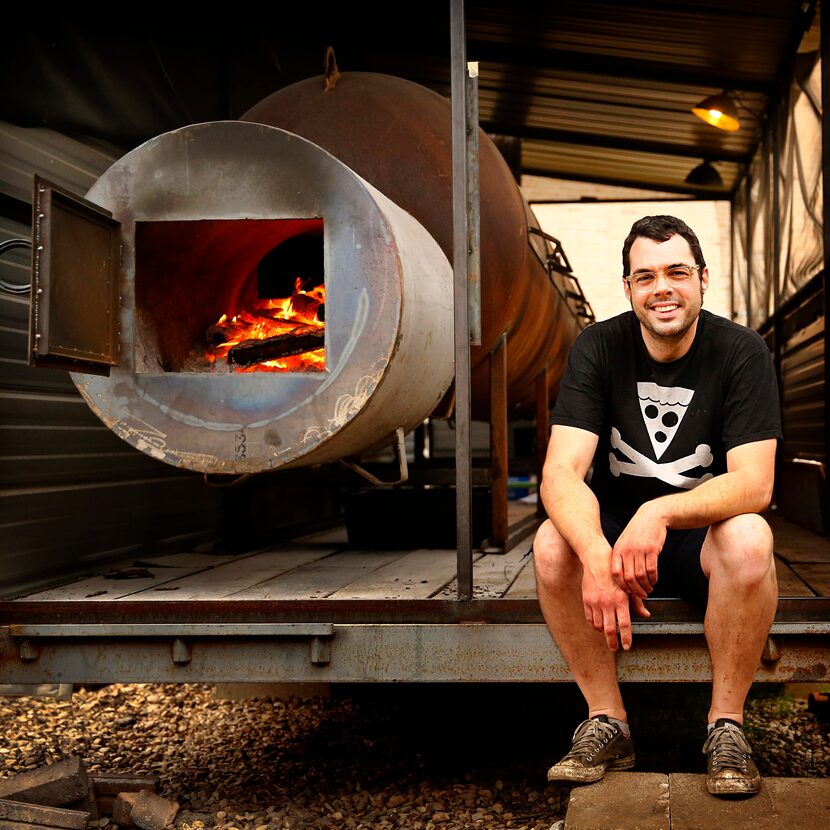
x=592, y=234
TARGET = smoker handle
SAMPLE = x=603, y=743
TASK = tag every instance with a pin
x=9, y=245
x=399, y=448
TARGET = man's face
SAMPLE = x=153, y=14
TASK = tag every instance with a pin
x=666, y=312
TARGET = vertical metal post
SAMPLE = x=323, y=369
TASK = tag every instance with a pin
x=473, y=209
x=498, y=443
x=463, y=473
x=825, y=187
x=780, y=109
x=776, y=211
x=542, y=436
x=776, y=237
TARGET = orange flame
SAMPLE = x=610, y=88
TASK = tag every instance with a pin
x=270, y=318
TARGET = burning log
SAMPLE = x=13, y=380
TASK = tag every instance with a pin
x=305, y=306
x=221, y=333
x=235, y=331
x=299, y=340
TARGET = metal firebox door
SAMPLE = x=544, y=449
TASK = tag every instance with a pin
x=74, y=319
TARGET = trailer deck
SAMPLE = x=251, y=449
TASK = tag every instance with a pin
x=316, y=610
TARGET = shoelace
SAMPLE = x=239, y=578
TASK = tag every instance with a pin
x=729, y=747
x=591, y=736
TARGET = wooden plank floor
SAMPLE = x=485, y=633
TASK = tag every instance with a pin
x=322, y=566
x=802, y=558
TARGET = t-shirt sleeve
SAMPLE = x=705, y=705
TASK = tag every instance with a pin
x=751, y=409
x=581, y=399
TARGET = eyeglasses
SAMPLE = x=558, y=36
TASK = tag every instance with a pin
x=677, y=276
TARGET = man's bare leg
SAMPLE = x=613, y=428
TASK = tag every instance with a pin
x=559, y=590
x=743, y=595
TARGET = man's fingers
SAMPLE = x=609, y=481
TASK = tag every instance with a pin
x=633, y=586
x=640, y=607
x=636, y=575
x=596, y=619
x=610, y=625
x=624, y=621
x=651, y=568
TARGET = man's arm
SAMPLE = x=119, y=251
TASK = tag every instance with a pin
x=574, y=511
x=745, y=487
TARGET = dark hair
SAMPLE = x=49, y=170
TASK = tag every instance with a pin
x=660, y=229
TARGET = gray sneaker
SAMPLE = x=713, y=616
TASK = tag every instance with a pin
x=597, y=746
x=730, y=770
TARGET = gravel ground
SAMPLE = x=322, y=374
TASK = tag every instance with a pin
x=415, y=757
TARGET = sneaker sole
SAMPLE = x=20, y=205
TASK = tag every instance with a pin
x=588, y=775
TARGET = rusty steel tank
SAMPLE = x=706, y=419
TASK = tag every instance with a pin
x=398, y=136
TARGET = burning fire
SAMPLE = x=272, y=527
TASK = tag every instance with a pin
x=273, y=327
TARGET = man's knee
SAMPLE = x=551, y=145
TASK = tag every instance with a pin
x=741, y=546
x=553, y=557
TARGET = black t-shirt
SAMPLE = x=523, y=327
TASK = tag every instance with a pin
x=666, y=427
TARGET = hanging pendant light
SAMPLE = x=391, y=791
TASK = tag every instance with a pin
x=720, y=111
x=704, y=175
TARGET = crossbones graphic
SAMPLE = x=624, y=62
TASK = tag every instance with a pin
x=669, y=471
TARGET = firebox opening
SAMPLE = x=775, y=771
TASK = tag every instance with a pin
x=230, y=296
x=298, y=258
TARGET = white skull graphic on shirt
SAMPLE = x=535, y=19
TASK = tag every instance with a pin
x=663, y=409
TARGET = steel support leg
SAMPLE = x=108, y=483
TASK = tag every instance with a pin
x=542, y=435
x=498, y=443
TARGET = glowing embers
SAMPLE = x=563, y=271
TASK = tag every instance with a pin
x=276, y=335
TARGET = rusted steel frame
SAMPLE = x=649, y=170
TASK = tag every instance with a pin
x=463, y=485
x=793, y=610
x=384, y=653
x=271, y=611
x=324, y=630
x=498, y=445
x=542, y=435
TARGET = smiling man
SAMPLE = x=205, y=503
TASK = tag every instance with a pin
x=675, y=413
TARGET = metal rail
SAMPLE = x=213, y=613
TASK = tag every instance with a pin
x=378, y=653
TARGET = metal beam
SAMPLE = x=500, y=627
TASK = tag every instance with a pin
x=539, y=60
x=806, y=610
x=395, y=653
x=616, y=142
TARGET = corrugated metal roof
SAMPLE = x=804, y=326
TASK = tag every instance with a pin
x=596, y=90
x=603, y=91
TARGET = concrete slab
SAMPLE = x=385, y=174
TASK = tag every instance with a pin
x=650, y=801
x=794, y=803
x=693, y=808
x=621, y=801
x=800, y=802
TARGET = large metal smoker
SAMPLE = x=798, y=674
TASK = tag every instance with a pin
x=175, y=232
